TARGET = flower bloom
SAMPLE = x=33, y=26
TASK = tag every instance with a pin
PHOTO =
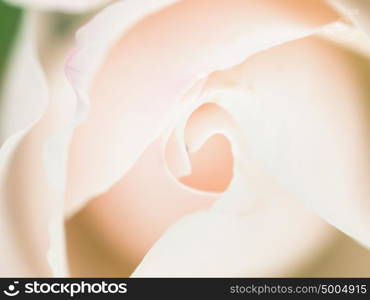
x=214, y=130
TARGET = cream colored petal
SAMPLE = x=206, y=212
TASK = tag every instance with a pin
x=140, y=81
x=26, y=72
x=235, y=236
x=61, y=5
x=146, y=201
x=303, y=111
x=313, y=127
x=36, y=129
x=358, y=11
x=18, y=116
x=208, y=244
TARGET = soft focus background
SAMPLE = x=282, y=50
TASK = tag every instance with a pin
x=90, y=256
x=9, y=24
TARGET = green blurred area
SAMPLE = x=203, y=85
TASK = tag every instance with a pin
x=10, y=17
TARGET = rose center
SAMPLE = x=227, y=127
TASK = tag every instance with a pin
x=207, y=151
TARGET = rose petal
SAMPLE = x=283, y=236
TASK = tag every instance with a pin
x=148, y=69
x=146, y=200
x=313, y=138
x=17, y=119
x=32, y=161
x=300, y=140
x=17, y=114
x=61, y=5
x=358, y=11
x=151, y=210
x=211, y=244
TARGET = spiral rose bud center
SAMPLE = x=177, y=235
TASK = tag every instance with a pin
x=208, y=151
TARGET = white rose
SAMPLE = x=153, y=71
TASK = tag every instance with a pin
x=239, y=125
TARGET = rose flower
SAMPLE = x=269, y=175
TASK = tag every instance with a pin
x=188, y=138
